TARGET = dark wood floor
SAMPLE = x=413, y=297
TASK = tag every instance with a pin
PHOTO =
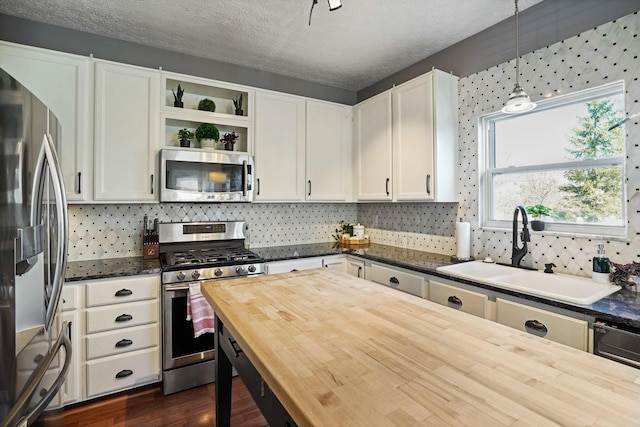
x=149, y=407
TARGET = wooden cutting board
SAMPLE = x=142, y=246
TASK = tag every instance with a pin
x=342, y=351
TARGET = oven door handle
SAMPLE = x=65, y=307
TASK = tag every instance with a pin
x=179, y=287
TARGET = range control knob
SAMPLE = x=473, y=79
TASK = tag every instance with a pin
x=241, y=270
x=252, y=268
x=195, y=274
x=218, y=272
x=181, y=276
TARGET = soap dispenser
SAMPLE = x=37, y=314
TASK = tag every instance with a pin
x=601, y=268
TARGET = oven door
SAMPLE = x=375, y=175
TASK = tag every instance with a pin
x=179, y=347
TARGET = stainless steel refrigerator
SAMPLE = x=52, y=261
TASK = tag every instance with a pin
x=35, y=351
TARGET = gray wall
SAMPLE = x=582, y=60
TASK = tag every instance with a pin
x=540, y=25
x=33, y=33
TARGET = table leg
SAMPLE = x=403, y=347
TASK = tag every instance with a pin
x=223, y=381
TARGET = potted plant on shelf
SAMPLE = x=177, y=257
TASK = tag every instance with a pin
x=538, y=212
x=237, y=103
x=207, y=105
x=207, y=134
x=177, y=97
x=229, y=139
x=185, y=136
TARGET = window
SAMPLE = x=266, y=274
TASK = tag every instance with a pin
x=561, y=155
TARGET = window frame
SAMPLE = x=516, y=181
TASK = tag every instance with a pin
x=488, y=171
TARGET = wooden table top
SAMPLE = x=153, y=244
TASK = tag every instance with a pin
x=341, y=351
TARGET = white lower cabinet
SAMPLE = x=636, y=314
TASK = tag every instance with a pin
x=556, y=327
x=404, y=281
x=461, y=299
x=338, y=263
x=122, y=334
x=355, y=267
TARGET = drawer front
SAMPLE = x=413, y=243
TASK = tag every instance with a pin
x=122, y=316
x=406, y=282
x=556, y=327
x=69, y=297
x=122, y=341
x=123, y=371
x=126, y=289
x=461, y=299
x=293, y=265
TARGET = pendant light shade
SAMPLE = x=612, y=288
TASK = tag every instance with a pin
x=519, y=101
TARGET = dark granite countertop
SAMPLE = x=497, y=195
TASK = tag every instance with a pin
x=623, y=307
x=108, y=268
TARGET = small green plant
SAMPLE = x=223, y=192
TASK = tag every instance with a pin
x=207, y=105
x=343, y=228
x=185, y=134
x=207, y=131
x=538, y=211
x=237, y=102
x=177, y=97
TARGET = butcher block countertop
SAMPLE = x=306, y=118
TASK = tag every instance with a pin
x=341, y=351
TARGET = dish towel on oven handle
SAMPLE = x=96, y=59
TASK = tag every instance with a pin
x=199, y=311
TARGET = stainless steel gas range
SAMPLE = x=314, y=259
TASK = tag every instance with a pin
x=195, y=252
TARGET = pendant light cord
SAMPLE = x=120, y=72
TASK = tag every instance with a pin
x=517, y=47
x=313, y=3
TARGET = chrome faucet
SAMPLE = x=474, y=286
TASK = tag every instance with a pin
x=518, y=253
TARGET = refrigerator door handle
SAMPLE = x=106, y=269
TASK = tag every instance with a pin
x=14, y=416
x=48, y=158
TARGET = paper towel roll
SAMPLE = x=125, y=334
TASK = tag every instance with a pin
x=463, y=240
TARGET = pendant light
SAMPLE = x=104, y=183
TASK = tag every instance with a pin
x=519, y=101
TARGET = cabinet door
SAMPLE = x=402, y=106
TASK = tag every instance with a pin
x=556, y=327
x=373, y=141
x=355, y=268
x=413, y=140
x=328, y=151
x=126, y=132
x=403, y=281
x=279, y=147
x=460, y=299
x=293, y=265
x=63, y=83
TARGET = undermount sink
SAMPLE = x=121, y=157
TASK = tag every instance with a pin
x=562, y=287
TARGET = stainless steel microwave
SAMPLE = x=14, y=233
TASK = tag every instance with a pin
x=190, y=175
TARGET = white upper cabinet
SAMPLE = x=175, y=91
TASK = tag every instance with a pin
x=126, y=138
x=279, y=147
x=328, y=153
x=407, y=141
x=63, y=83
x=373, y=145
x=425, y=123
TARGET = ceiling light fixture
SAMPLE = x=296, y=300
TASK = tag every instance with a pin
x=519, y=101
x=333, y=5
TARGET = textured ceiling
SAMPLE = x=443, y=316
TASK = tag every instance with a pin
x=349, y=48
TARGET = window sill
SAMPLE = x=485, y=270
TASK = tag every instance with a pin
x=563, y=234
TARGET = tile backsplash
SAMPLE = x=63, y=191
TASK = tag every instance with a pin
x=601, y=55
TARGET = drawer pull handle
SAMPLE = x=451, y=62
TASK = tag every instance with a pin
x=124, y=318
x=394, y=280
x=234, y=346
x=455, y=300
x=124, y=373
x=124, y=293
x=124, y=343
x=535, y=327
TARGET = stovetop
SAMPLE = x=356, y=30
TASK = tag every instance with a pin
x=207, y=257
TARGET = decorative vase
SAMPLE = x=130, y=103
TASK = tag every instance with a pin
x=228, y=146
x=178, y=104
x=185, y=143
x=207, y=143
x=239, y=112
x=537, y=225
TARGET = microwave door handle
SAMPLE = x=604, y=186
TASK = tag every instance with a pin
x=63, y=228
x=245, y=177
